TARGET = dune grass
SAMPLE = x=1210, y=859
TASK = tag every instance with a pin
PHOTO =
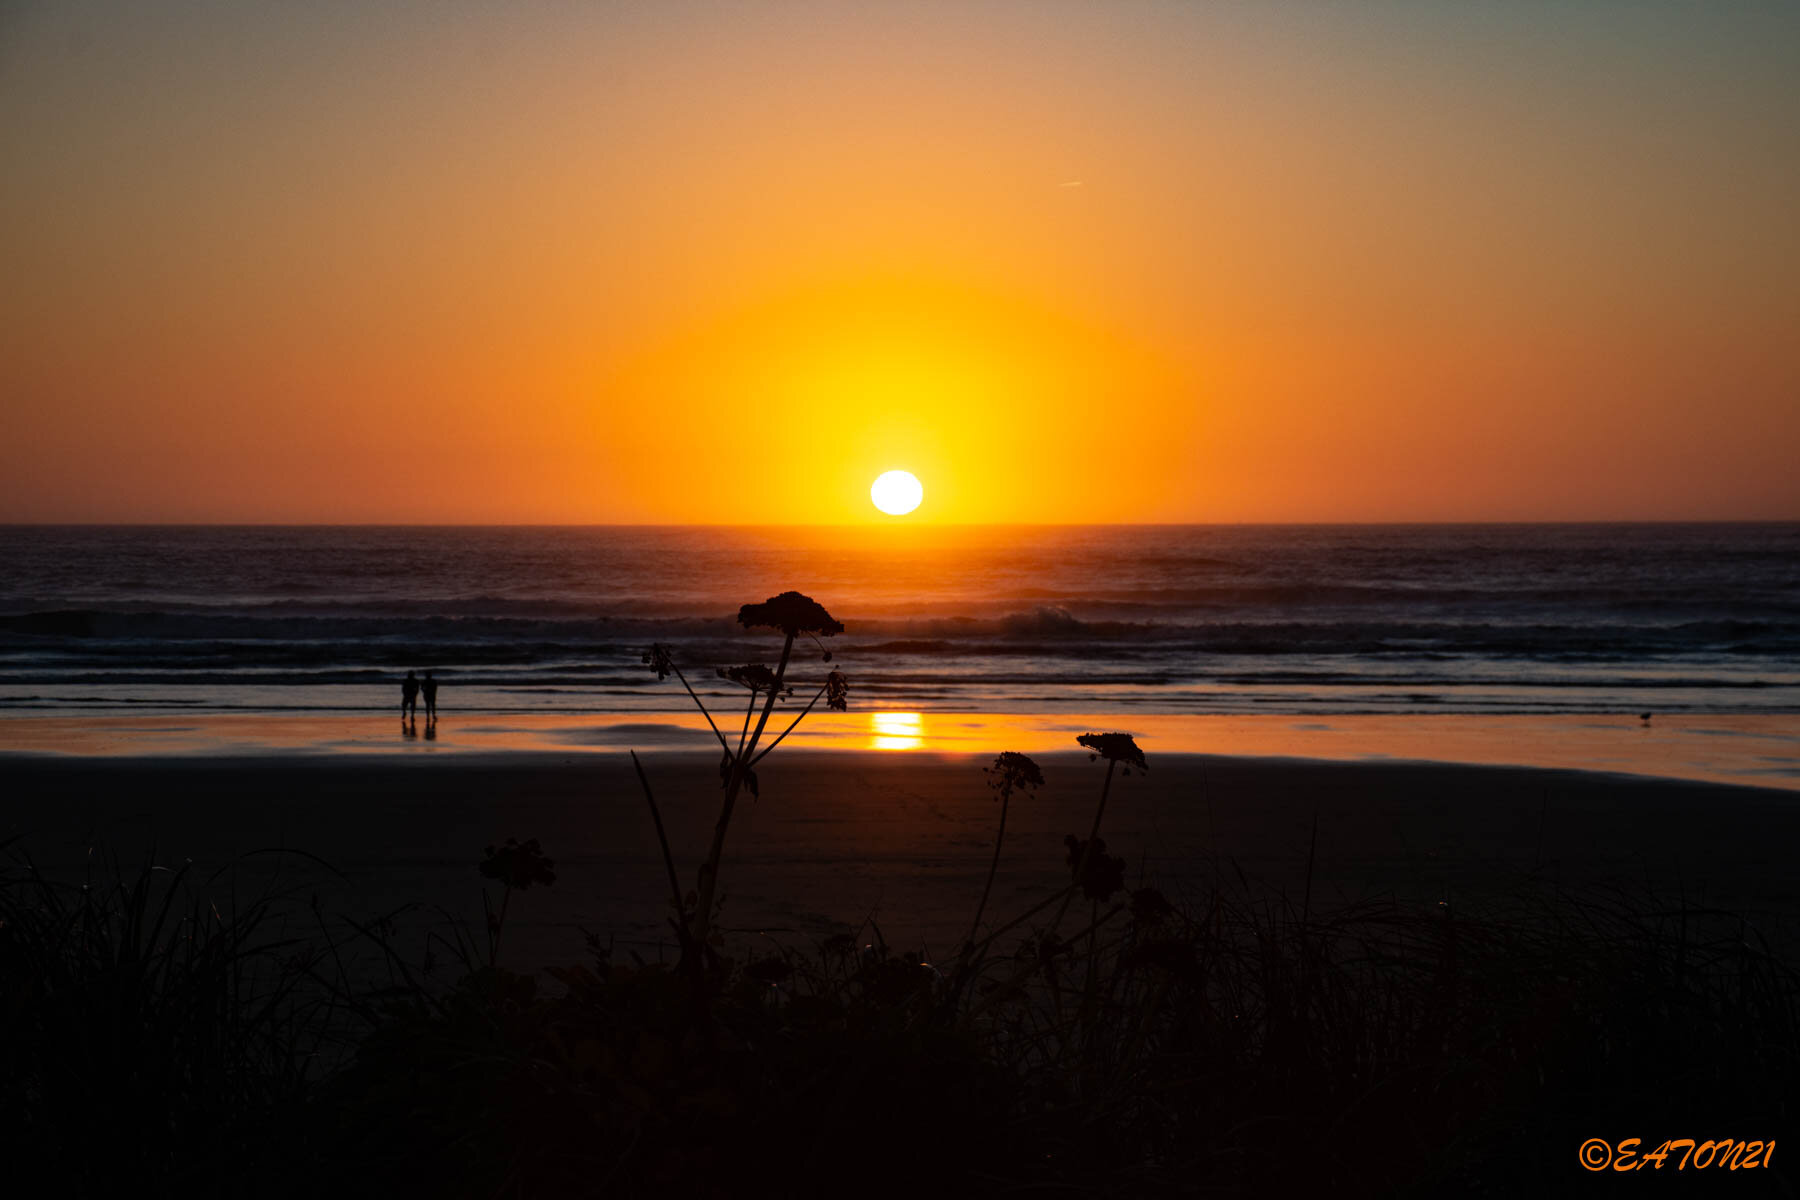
x=1232, y=1041
x=155, y=1028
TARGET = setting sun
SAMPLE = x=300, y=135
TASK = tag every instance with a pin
x=897, y=492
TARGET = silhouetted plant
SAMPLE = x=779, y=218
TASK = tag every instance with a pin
x=1231, y=1042
x=757, y=679
x=795, y=616
x=1150, y=907
x=156, y=1035
x=658, y=659
x=792, y=613
x=754, y=676
x=1098, y=874
x=1115, y=748
x=516, y=868
x=1011, y=772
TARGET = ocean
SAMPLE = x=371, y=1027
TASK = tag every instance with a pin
x=1491, y=619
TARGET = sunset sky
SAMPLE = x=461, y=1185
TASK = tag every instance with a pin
x=472, y=262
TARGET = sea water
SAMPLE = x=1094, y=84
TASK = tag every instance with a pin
x=1493, y=619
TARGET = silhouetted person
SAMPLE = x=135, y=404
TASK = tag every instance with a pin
x=409, y=696
x=428, y=688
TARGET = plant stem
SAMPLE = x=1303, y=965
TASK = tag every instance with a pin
x=1023, y=917
x=723, y=744
x=975, y=925
x=1005, y=990
x=499, y=924
x=771, y=746
x=663, y=840
x=709, y=873
x=749, y=711
x=1087, y=851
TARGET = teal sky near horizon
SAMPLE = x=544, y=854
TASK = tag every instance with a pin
x=1134, y=262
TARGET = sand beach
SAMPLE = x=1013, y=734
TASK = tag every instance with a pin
x=842, y=838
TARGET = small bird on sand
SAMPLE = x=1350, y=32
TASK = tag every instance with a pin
x=1644, y=717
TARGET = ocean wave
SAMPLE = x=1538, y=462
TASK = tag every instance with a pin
x=69, y=644
x=1192, y=619
x=1048, y=677
x=1043, y=621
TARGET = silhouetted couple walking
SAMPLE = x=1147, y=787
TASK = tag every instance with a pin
x=411, y=688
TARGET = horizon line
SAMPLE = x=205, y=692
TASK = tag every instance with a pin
x=864, y=525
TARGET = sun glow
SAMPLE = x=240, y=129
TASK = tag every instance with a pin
x=897, y=492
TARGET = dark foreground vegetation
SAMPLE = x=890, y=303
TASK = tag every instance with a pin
x=157, y=1041
x=163, y=1039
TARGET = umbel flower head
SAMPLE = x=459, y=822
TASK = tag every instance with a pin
x=1118, y=747
x=791, y=613
x=658, y=659
x=837, y=691
x=755, y=676
x=519, y=866
x=1013, y=772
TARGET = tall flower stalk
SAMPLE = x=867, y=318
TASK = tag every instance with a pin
x=1115, y=748
x=1096, y=874
x=515, y=868
x=1011, y=772
x=796, y=616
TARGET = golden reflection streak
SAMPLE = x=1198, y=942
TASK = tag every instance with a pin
x=896, y=731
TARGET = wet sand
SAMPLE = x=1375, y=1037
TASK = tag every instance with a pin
x=842, y=837
x=1757, y=750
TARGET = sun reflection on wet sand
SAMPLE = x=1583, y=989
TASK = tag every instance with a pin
x=896, y=731
x=1761, y=750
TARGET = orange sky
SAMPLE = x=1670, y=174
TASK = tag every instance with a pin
x=1065, y=262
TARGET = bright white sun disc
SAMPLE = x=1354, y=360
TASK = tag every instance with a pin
x=897, y=492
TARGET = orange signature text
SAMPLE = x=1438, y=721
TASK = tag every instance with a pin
x=1598, y=1154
